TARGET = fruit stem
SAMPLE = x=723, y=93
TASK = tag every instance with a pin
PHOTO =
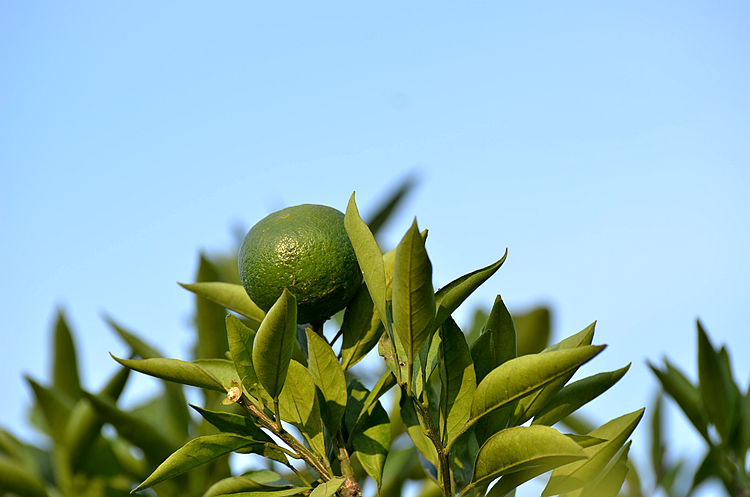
x=350, y=487
x=318, y=328
x=444, y=471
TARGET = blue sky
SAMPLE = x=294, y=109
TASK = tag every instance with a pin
x=606, y=146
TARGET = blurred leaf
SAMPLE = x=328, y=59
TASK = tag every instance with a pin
x=65, y=364
x=274, y=343
x=237, y=484
x=532, y=330
x=497, y=343
x=684, y=393
x=361, y=328
x=733, y=436
x=448, y=298
x=369, y=256
x=212, y=340
x=329, y=378
x=136, y=344
x=233, y=423
x=202, y=450
x=400, y=465
x=298, y=404
x=458, y=379
x=187, y=373
x=610, y=480
x=156, y=446
x=386, y=208
x=18, y=480
x=328, y=488
x=241, y=338
x=657, y=440
x=577, y=474
x=55, y=407
x=522, y=375
x=571, y=397
x=708, y=468
x=413, y=295
x=523, y=448
x=714, y=387
x=476, y=325
x=229, y=295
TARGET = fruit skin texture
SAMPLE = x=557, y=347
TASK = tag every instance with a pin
x=305, y=249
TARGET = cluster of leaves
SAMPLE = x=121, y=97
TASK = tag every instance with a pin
x=718, y=410
x=462, y=405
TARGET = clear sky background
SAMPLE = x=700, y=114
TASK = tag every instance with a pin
x=607, y=146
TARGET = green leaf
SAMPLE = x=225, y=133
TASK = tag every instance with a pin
x=156, y=446
x=534, y=403
x=577, y=474
x=416, y=431
x=610, y=480
x=329, y=378
x=55, y=407
x=187, y=373
x=532, y=330
x=16, y=479
x=457, y=377
x=274, y=343
x=137, y=345
x=371, y=440
x=524, y=448
x=657, y=440
x=65, y=376
x=233, y=423
x=244, y=483
x=298, y=404
x=448, y=298
x=229, y=295
x=687, y=396
x=388, y=206
x=209, y=317
x=240, y=338
x=394, y=361
x=200, y=451
x=497, y=343
x=385, y=383
x=413, y=295
x=571, y=397
x=361, y=328
x=328, y=488
x=296, y=491
x=714, y=386
x=369, y=256
x=523, y=375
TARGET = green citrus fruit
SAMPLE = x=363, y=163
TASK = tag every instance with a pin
x=306, y=250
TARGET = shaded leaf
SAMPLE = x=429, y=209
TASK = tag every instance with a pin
x=369, y=256
x=371, y=440
x=187, y=373
x=713, y=385
x=229, y=295
x=524, y=448
x=55, y=408
x=233, y=423
x=417, y=432
x=298, y=404
x=449, y=297
x=274, y=343
x=328, y=488
x=65, y=375
x=361, y=328
x=329, y=378
x=571, y=397
x=18, y=480
x=413, y=295
x=497, y=343
x=136, y=344
x=458, y=379
x=610, y=480
x=687, y=396
x=532, y=330
x=202, y=450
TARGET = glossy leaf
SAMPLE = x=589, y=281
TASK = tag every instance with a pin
x=523, y=375
x=497, y=343
x=151, y=439
x=240, y=338
x=328, y=488
x=16, y=479
x=571, y=397
x=524, y=448
x=202, y=450
x=361, y=328
x=449, y=297
x=413, y=295
x=576, y=475
x=329, y=378
x=65, y=377
x=274, y=343
x=458, y=379
x=369, y=256
x=209, y=318
x=233, y=423
x=532, y=330
x=187, y=373
x=298, y=404
x=229, y=295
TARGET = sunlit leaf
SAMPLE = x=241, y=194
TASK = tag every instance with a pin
x=229, y=295
x=497, y=343
x=240, y=338
x=458, y=379
x=371, y=440
x=187, y=373
x=298, y=404
x=328, y=488
x=274, y=343
x=233, y=423
x=329, y=377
